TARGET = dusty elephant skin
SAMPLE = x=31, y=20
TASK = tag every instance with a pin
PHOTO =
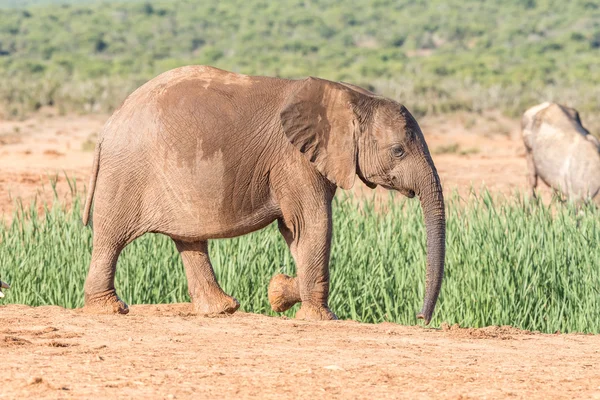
x=200, y=153
x=561, y=152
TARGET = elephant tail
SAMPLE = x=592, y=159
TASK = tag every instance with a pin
x=93, y=178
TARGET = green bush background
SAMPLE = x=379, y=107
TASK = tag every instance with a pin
x=436, y=56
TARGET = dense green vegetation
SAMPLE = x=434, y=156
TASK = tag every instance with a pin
x=433, y=55
x=7, y=4
x=509, y=261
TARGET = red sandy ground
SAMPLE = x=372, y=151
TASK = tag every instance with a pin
x=166, y=352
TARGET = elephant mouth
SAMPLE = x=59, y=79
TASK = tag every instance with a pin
x=408, y=193
x=364, y=180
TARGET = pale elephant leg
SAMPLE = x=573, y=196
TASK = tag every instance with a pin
x=100, y=294
x=310, y=248
x=207, y=296
x=532, y=174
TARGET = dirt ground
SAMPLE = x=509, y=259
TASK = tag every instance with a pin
x=166, y=352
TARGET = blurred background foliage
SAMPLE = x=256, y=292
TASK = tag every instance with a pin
x=435, y=56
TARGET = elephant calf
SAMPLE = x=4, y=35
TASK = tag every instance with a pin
x=561, y=152
x=199, y=153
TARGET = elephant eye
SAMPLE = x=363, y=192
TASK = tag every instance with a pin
x=397, y=151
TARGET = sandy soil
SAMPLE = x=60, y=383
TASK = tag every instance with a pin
x=166, y=352
x=45, y=148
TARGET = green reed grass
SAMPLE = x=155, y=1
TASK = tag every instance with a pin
x=509, y=261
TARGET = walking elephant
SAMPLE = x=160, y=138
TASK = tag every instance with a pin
x=561, y=152
x=199, y=153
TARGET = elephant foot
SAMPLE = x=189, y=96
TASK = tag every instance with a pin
x=105, y=303
x=315, y=313
x=283, y=292
x=221, y=305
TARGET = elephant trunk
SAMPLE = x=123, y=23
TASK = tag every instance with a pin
x=432, y=204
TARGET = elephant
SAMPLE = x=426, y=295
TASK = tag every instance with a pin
x=200, y=153
x=561, y=152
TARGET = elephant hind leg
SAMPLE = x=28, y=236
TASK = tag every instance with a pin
x=100, y=294
x=207, y=296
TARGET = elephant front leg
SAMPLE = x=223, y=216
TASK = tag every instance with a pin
x=309, y=246
x=284, y=292
x=207, y=296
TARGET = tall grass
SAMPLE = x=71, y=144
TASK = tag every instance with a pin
x=509, y=261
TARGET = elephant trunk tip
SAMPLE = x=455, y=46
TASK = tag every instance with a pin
x=425, y=316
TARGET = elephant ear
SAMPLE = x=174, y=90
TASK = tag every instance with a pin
x=319, y=120
x=594, y=140
x=574, y=114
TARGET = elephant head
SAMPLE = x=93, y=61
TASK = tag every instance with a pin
x=346, y=131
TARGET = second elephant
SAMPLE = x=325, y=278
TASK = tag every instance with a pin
x=561, y=152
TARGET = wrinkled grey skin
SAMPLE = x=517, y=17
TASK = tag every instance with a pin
x=561, y=152
x=199, y=153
